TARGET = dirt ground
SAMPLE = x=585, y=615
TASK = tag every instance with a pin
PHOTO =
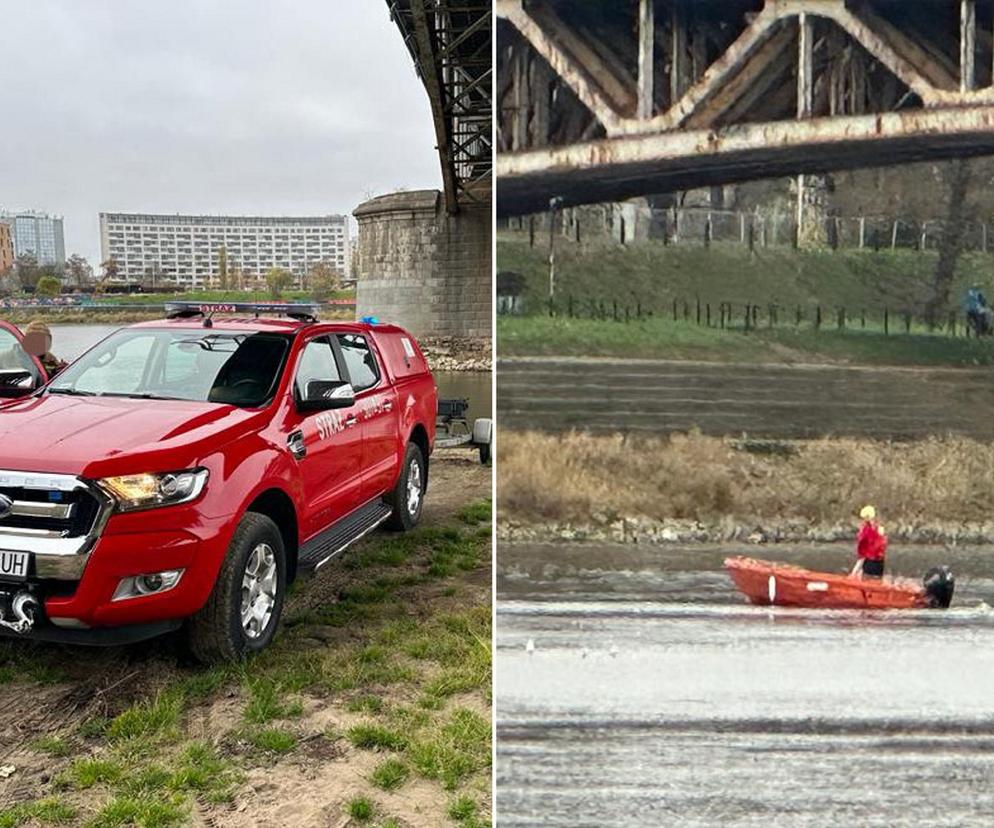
x=66, y=709
x=781, y=401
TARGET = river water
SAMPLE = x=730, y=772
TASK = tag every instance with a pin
x=655, y=695
x=69, y=341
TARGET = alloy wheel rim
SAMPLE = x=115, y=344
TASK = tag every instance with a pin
x=414, y=487
x=259, y=585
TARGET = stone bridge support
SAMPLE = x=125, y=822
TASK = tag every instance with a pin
x=423, y=268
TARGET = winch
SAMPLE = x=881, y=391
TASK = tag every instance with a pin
x=18, y=609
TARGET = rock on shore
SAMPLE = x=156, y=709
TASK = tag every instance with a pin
x=640, y=530
x=449, y=353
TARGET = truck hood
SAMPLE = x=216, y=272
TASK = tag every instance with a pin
x=101, y=436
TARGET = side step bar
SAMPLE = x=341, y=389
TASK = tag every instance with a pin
x=323, y=547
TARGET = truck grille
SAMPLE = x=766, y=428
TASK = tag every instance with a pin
x=63, y=510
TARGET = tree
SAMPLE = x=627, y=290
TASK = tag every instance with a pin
x=27, y=269
x=78, y=271
x=8, y=281
x=110, y=268
x=323, y=280
x=222, y=267
x=48, y=286
x=957, y=177
x=277, y=280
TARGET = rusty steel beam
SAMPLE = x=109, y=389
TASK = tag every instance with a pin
x=968, y=46
x=646, y=59
x=740, y=86
x=594, y=83
x=613, y=169
x=431, y=76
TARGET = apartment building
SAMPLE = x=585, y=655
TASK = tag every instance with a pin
x=185, y=249
x=36, y=234
x=6, y=247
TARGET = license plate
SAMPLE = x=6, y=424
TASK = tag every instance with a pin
x=14, y=564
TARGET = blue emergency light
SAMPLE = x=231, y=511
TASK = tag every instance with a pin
x=370, y=320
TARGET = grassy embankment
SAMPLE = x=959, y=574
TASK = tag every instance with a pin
x=652, y=275
x=112, y=308
x=586, y=479
x=382, y=691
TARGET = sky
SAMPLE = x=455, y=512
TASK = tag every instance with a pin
x=304, y=107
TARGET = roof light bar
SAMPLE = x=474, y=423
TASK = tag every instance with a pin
x=304, y=311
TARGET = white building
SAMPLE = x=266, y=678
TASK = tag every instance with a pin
x=37, y=234
x=186, y=249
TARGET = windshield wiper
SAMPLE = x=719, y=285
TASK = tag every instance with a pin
x=75, y=392
x=138, y=395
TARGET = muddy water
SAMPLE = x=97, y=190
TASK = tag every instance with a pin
x=656, y=696
x=785, y=401
x=69, y=341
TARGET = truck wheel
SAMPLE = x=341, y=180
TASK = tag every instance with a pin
x=408, y=495
x=244, y=608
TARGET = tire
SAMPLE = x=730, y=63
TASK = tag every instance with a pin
x=404, y=517
x=216, y=633
x=484, y=453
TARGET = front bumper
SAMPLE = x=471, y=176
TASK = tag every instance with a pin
x=76, y=590
x=96, y=637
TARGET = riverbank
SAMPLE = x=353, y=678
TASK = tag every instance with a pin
x=689, y=488
x=374, y=699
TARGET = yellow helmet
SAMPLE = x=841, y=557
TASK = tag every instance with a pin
x=867, y=513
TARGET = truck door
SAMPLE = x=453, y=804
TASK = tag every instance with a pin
x=376, y=400
x=330, y=441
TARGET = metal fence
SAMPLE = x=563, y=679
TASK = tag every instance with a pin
x=631, y=223
x=757, y=316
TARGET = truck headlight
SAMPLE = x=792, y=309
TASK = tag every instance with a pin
x=147, y=491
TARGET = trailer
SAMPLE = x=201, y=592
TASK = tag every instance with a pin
x=453, y=429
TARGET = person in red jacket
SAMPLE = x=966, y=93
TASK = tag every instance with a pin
x=871, y=546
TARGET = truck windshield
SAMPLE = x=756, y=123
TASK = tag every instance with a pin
x=237, y=368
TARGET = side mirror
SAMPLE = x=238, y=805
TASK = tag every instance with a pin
x=323, y=395
x=18, y=382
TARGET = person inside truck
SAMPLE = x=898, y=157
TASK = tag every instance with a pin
x=38, y=341
x=871, y=546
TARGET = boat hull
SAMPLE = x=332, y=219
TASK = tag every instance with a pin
x=767, y=583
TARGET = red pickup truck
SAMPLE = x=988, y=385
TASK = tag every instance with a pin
x=183, y=472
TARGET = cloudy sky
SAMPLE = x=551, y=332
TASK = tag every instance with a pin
x=206, y=106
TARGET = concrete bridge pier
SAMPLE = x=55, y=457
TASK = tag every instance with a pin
x=423, y=268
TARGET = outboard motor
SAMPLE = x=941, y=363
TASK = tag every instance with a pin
x=939, y=584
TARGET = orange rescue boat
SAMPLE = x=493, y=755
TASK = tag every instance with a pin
x=785, y=585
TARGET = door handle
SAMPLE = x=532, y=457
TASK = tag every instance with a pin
x=351, y=420
x=295, y=442
x=388, y=405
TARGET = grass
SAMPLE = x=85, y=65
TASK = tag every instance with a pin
x=387, y=642
x=49, y=811
x=273, y=740
x=376, y=737
x=476, y=513
x=583, y=478
x=661, y=338
x=650, y=276
x=654, y=274
x=455, y=752
x=267, y=702
x=360, y=809
x=156, y=718
x=390, y=775
x=55, y=746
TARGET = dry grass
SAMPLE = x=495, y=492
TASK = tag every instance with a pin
x=585, y=478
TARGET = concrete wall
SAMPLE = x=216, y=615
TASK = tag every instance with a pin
x=423, y=269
